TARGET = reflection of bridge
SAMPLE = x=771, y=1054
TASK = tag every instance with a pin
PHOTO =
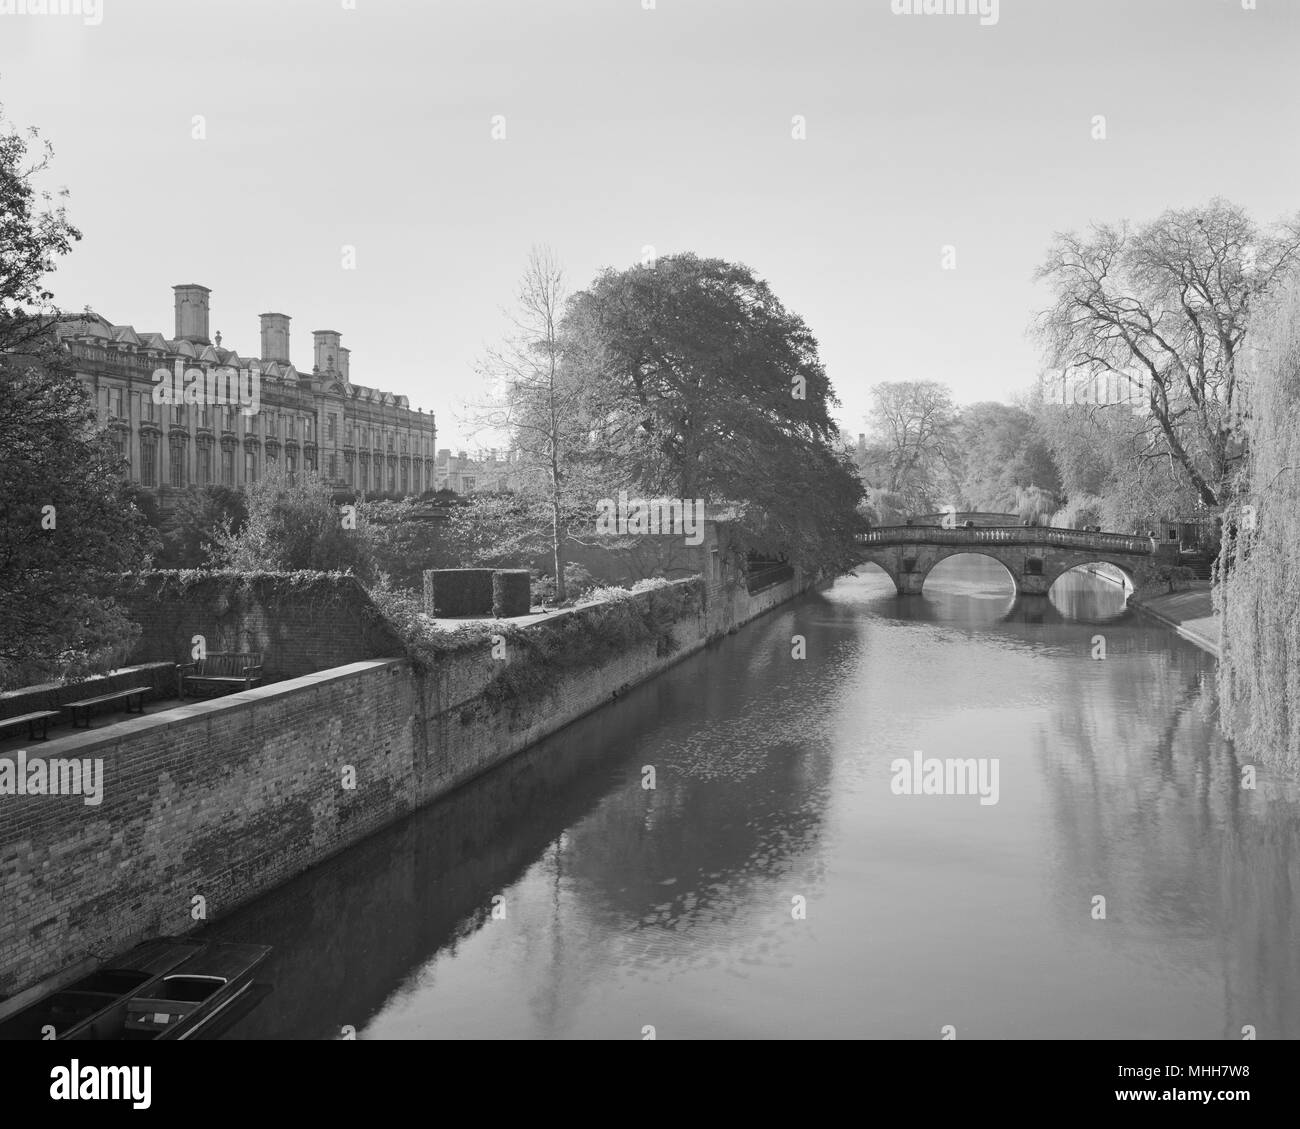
x=1034, y=556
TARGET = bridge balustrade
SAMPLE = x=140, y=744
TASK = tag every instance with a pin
x=1007, y=535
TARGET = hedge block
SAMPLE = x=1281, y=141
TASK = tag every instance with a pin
x=457, y=591
x=512, y=590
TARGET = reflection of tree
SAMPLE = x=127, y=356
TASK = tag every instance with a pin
x=742, y=779
x=348, y=933
x=742, y=783
x=1150, y=812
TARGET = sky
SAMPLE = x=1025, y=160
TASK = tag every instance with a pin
x=628, y=125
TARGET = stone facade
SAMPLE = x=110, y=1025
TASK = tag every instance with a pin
x=358, y=438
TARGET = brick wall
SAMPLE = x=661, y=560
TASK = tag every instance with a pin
x=298, y=628
x=227, y=798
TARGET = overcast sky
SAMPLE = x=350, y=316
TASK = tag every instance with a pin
x=627, y=127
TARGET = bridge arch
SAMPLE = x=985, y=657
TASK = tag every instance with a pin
x=1036, y=557
x=887, y=567
x=1125, y=568
x=1008, y=565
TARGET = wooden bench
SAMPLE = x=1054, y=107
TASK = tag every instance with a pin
x=43, y=716
x=83, y=708
x=220, y=671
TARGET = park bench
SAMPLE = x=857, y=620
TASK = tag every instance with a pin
x=41, y=716
x=220, y=671
x=86, y=706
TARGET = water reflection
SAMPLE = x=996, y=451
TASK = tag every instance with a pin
x=672, y=906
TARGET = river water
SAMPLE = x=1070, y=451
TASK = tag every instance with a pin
x=773, y=883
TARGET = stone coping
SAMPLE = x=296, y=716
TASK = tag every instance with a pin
x=123, y=731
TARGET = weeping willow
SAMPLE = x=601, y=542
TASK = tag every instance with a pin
x=1259, y=593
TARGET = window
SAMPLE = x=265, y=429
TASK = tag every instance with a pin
x=250, y=466
x=334, y=466
x=205, y=464
x=228, y=466
x=148, y=460
x=392, y=478
x=309, y=429
x=227, y=419
x=289, y=432
x=351, y=435
x=467, y=483
x=205, y=418
x=404, y=442
x=178, y=414
x=405, y=488
x=331, y=422
x=270, y=423
x=150, y=408
x=176, y=461
x=119, y=449
x=364, y=463
x=117, y=404
x=390, y=440
x=250, y=428
x=291, y=465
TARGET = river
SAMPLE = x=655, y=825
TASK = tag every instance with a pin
x=773, y=883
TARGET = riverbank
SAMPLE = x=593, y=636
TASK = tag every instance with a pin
x=1190, y=613
x=209, y=803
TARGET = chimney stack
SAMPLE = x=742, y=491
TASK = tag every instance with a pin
x=327, y=349
x=192, y=313
x=344, y=356
x=275, y=337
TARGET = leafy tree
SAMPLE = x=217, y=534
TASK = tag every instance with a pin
x=713, y=390
x=189, y=529
x=1164, y=309
x=34, y=233
x=405, y=541
x=1000, y=451
x=293, y=524
x=65, y=521
x=1259, y=673
x=1103, y=473
x=65, y=517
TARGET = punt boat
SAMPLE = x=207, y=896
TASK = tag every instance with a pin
x=164, y=989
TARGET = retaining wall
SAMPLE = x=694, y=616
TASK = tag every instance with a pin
x=210, y=804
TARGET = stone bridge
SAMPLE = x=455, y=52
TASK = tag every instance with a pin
x=1034, y=556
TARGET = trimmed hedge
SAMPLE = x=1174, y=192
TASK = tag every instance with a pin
x=511, y=592
x=450, y=592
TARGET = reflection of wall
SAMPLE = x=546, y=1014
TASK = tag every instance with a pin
x=229, y=798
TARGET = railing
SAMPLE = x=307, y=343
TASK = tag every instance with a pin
x=763, y=575
x=1007, y=535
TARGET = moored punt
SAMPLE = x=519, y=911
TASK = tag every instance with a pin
x=184, y=1001
x=94, y=1007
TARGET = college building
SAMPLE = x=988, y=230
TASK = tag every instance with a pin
x=356, y=438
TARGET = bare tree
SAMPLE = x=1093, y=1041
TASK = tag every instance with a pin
x=912, y=424
x=1164, y=310
x=544, y=383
